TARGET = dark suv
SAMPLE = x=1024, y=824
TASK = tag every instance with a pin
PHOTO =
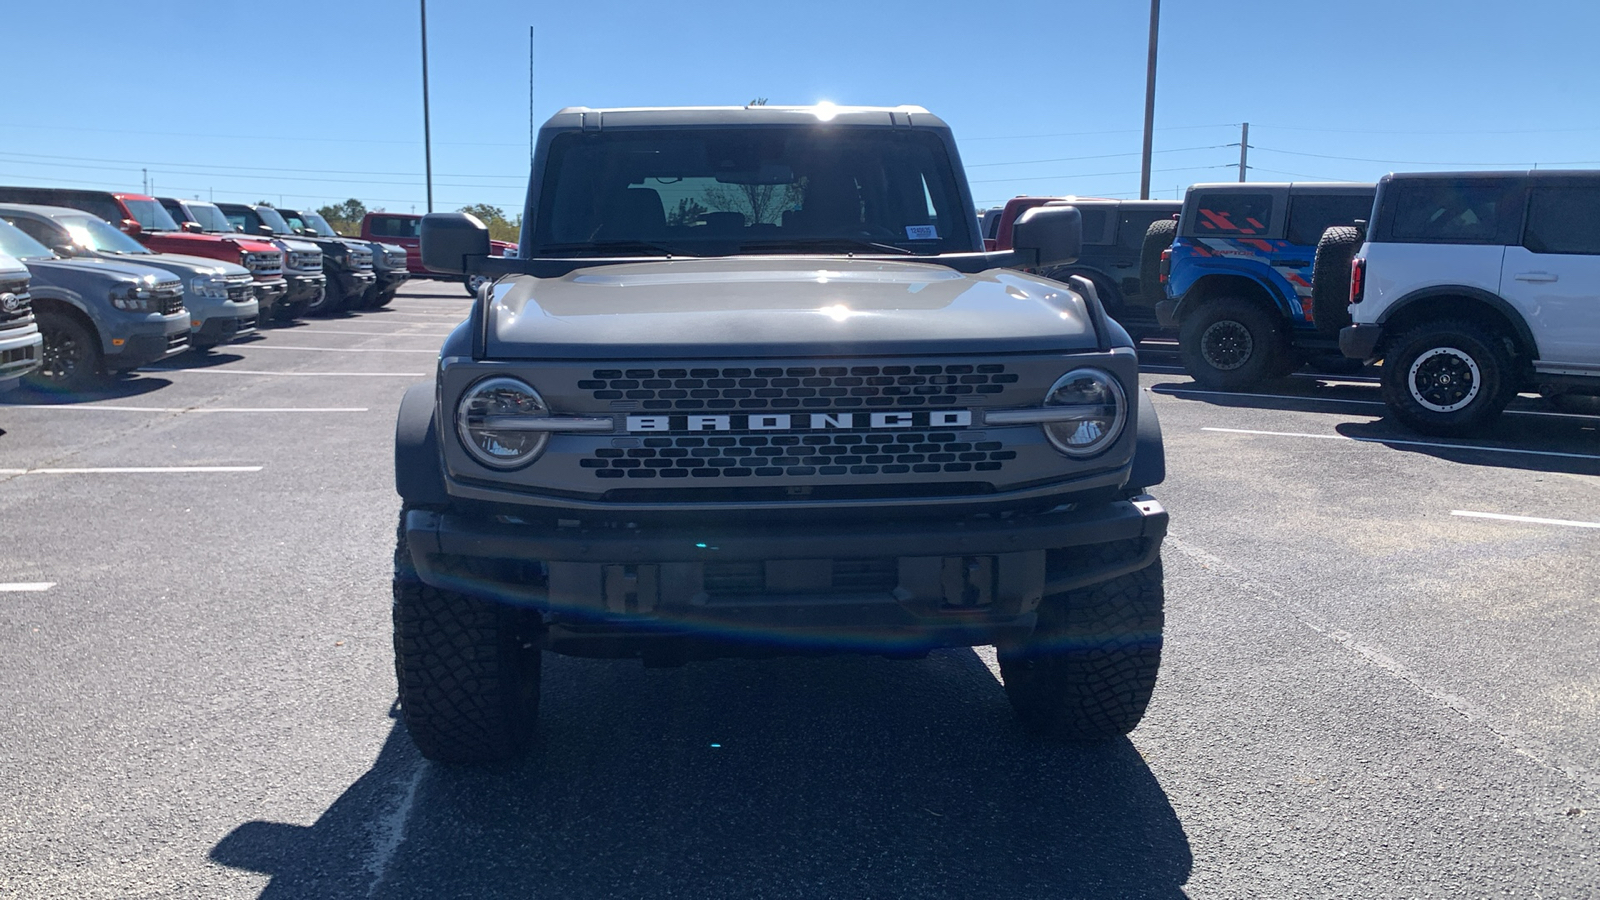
x=347, y=264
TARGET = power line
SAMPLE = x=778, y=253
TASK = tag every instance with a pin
x=1025, y=162
x=161, y=164
x=1093, y=174
x=252, y=195
x=274, y=178
x=24, y=126
x=1018, y=137
x=1475, y=131
x=1414, y=162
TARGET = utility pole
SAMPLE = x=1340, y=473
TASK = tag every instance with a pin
x=1244, y=151
x=530, y=96
x=1149, y=101
x=427, y=137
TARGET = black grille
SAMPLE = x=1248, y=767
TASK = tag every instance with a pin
x=767, y=456
x=240, y=293
x=171, y=303
x=736, y=578
x=20, y=354
x=824, y=387
x=866, y=575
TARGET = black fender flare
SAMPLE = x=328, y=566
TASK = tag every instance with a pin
x=1493, y=301
x=418, y=472
x=1189, y=302
x=1149, y=455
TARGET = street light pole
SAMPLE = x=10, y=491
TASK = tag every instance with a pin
x=1149, y=102
x=427, y=137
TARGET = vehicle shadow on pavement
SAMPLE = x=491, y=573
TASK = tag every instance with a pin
x=828, y=777
x=123, y=388
x=200, y=360
x=1540, y=441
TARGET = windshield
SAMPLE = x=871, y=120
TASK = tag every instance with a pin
x=95, y=234
x=150, y=215
x=774, y=189
x=209, y=217
x=14, y=243
x=320, y=225
x=271, y=219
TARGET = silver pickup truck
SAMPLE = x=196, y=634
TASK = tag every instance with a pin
x=753, y=387
x=20, y=342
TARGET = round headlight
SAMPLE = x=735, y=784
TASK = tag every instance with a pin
x=1098, y=410
x=487, y=420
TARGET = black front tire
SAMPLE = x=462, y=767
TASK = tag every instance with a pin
x=1230, y=344
x=1448, y=378
x=473, y=282
x=1089, y=669
x=332, y=301
x=468, y=669
x=72, y=360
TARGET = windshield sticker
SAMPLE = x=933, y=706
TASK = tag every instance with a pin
x=922, y=233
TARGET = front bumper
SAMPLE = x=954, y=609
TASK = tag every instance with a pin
x=913, y=583
x=1360, y=341
x=270, y=291
x=221, y=329
x=355, y=283
x=21, y=350
x=149, y=342
x=305, y=287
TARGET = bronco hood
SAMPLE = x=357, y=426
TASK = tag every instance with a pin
x=781, y=306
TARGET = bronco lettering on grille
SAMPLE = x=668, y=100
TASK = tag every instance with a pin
x=936, y=418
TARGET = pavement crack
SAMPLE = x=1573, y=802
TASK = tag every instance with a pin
x=1511, y=738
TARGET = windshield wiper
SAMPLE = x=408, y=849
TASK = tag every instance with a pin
x=827, y=243
x=610, y=247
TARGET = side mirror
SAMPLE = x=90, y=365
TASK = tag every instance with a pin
x=66, y=251
x=1053, y=233
x=264, y=229
x=193, y=227
x=132, y=227
x=450, y=240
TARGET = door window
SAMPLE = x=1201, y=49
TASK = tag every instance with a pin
x=1451, y=212
x=1312, y=214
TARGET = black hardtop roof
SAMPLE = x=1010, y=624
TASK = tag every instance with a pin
x=1527, y=174
x=1246, y=186
x=587, y=119
x=49, y=212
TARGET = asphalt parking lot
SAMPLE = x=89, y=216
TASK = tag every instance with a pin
x=1380, y=677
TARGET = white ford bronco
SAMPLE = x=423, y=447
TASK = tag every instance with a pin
x=1474, y=286
x=752, y=387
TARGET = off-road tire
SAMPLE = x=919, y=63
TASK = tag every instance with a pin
x=1089, y=670
x=473, y=282
x=468, y=669
x=1330, y=278
x=1229, y=344
x=1157, y=237
x=1450, y=378
x=332, y=302
x=384, y=298
x=71, y=357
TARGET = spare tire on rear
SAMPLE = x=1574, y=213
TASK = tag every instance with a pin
x=1157, y=238
x=1330, y=278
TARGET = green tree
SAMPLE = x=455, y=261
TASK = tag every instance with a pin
x=345, y=217
x=501, y=228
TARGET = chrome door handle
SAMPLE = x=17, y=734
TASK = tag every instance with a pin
x=1539, y=277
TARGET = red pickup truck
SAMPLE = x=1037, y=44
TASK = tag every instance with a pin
x=145, y=219
x=402, y=229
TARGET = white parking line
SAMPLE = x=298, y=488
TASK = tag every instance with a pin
x=191, y=409
x=1366, y=440
x=1510, y=412
x=294, y=374
x=337, y=349
x=1532, y=520
x=7, y=587
x=134, y=470
x=299, y=331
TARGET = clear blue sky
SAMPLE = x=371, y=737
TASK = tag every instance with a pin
x=317, y=102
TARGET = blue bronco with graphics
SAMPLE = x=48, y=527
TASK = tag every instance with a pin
x=1238, y=278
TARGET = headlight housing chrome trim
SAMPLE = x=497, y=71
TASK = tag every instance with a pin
x=496, y=400
x=1085, y=412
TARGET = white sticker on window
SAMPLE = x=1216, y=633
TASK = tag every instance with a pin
x=922, y=233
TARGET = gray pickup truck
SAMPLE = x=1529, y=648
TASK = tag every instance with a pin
x=20, y=341
x=219, y=296
x=97, y=316
x=753, y=387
